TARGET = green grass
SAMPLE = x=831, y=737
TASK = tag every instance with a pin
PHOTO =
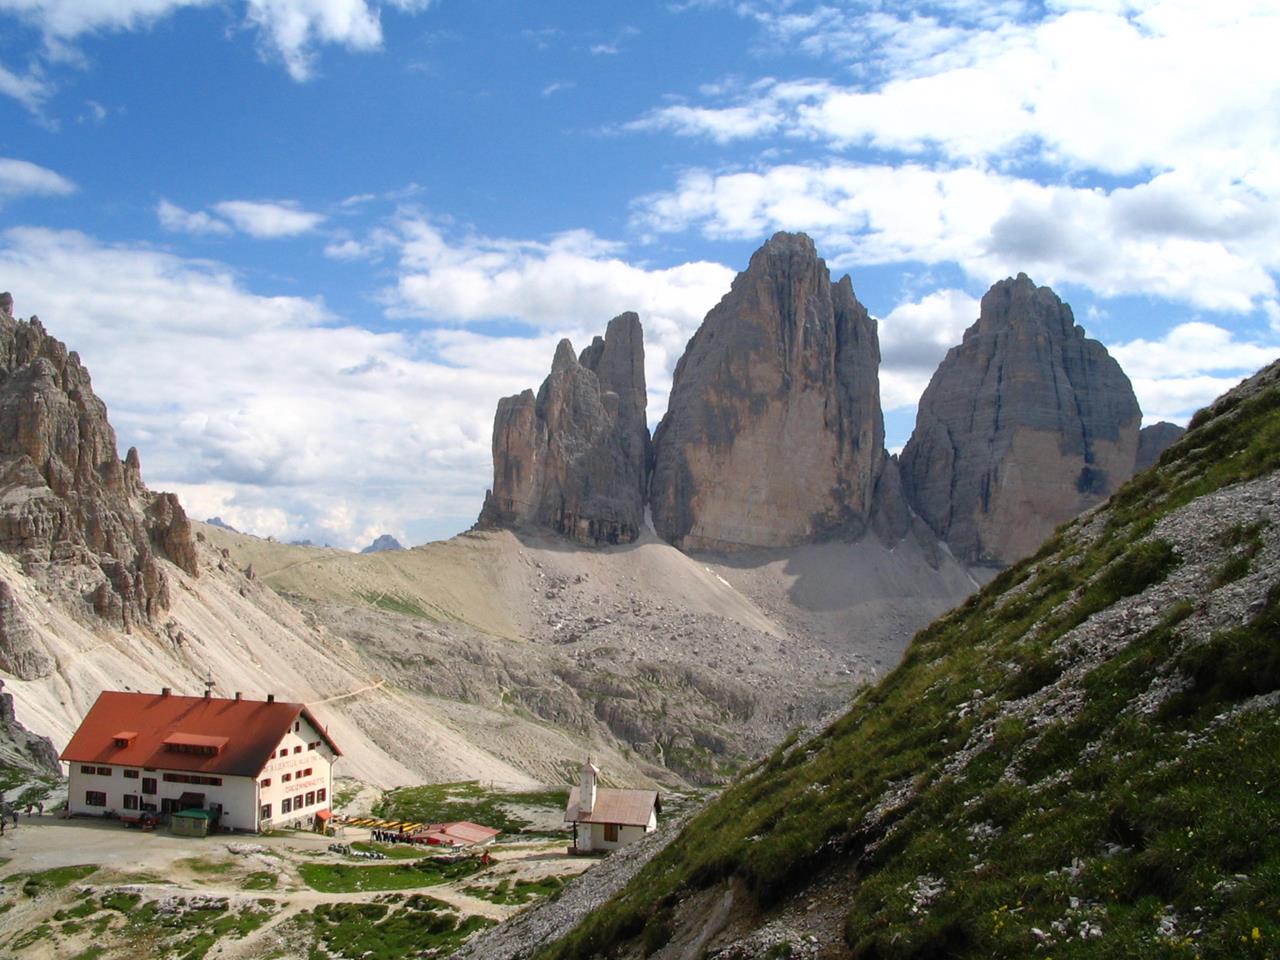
x=348, y=878
x=398, y=604
x=446, y=802
x=522, y=891
x=1105, y=816
x=45, y=881
x=392, y=851
x=420, y=926
x=260, y=880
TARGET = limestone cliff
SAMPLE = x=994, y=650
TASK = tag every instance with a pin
x=1025, y=424
x=774, y=434
x=72, y=513
x=575, y=457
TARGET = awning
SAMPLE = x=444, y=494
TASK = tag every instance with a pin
x=323, y=814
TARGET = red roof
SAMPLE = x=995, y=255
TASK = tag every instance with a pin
x=462, y=833
x=246, y=731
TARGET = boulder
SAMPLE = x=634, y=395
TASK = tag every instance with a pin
x=574, y=458
x=1024, y=425
x=774, y=435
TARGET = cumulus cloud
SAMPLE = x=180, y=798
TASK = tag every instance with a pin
x=249, y=406
x=20, y=178
x=1176, y=374
x=571, y=285
x=174, y=218
x=31, y=90
x=269, y=220
x=1222, y=255
x=288, y=30
x=1006, y=126
x=914, y=337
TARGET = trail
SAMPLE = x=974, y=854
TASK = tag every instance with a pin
x=351, y=693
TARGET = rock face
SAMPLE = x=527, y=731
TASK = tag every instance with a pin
x=382, y=544
x=1155, y=440
x=774, y=434
x=575, y=457
x=71, y=511
x=1025, y=424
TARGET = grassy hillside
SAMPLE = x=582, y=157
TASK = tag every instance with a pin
x=1083, y=760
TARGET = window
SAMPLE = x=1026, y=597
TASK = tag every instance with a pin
x=148, y=784
x=104, y=771
x=265, y=812
x=192, y=778
x=284, y=751
x=311, y=797
x=611, y=833
x=312, y=746
x=131, y=774
x=320, y=795
x=298, y=748
x=307, y=772
x=265, y=782
x=297, y=725
x=130, y=801
x=88, y=769
x=95, y=798
x=285, y=778
x=286, y=805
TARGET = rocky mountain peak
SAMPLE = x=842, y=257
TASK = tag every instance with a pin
x=383, y=544
x=784, y=370
x=1025, y=424
x=574, y=458
x=71, y=511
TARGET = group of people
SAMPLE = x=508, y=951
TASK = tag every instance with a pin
x=9, y=813
x=390, y=836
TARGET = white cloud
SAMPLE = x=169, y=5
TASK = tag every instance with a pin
x=20, y=178
x=1218, y=251
x=31, y=90
x=1188, y=367
x=571, y=285
x=287, y=29
x=269, y=220
x=914, y=338
x=172, y=217
x=252, y=406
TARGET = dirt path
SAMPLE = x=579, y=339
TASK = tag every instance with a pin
x=351, y=693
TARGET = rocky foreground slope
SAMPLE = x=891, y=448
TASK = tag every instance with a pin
x=1078, y=762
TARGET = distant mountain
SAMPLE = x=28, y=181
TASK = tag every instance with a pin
x=383, y=544
x=219, y=522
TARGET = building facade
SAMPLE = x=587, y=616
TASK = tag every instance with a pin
x=255, y=763
x=604, y=818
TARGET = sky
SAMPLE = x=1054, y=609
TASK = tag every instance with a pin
x=303, y=246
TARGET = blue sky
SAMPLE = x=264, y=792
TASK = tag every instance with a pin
x=304, y=245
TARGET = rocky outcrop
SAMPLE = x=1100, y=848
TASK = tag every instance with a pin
x=22, y=751
x=774, y=434
x=73, y=513
x=574, y=458
x=1155, y=440
x=383, y=544
x=1025, y=424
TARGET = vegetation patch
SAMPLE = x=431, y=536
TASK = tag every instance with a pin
x=447, y=802
x=34, y=884
x=349, y=878
x=522, y=891
x=420, y=926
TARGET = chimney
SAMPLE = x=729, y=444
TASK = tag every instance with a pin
x=237, y=694
x=165, y=691
x=207, y=694
x=271, y=698
x=587, y=787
